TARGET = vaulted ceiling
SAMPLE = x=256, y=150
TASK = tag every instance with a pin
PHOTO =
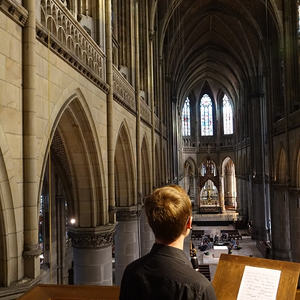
x=224, y=43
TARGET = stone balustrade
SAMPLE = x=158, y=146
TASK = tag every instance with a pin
x=124, y=93
x=71, y=41
x=145, y=111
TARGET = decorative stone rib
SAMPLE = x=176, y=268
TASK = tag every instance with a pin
x=129, y=213
x=85, y=238
x=15, y=11
x=124, y=93
x=71, y=42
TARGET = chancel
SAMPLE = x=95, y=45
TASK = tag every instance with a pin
x=102, y=101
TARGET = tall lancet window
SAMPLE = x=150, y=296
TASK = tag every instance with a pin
x=186, y=118
x=227, y=116
x=299, y=17
x=207, y=126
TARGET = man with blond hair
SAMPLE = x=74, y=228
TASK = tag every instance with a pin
x=165, y=272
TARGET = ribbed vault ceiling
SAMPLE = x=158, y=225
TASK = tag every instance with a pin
x=223, y=43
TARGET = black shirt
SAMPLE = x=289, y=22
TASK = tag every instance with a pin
x=164, y=273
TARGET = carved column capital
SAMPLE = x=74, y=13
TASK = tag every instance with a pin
x=32, y=251
x=98, y=237
x=128, y=213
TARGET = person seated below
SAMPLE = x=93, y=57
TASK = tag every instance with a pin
x=165, y=272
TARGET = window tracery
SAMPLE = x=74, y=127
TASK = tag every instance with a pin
x=206, y=110
x=186, y=118
x=227, y=116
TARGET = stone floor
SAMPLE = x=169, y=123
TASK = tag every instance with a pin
x=248, y=247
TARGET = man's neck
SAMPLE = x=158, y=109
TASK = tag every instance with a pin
x=176, y=244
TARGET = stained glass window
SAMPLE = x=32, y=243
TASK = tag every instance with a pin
x=186, y=118
x=299, y=17
x=206, y=116
x=227, y=116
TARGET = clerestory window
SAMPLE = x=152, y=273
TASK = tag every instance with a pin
x=186, y=118
x=227, y=116
x=299, y=17
x=206, y=111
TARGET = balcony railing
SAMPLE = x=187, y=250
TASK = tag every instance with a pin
x=123, y=91
x=71, y=41
x=145, y=111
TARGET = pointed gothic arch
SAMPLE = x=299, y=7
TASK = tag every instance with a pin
x=228, y=183
x=9, y=249
x=189, y=175
x=72, y=182
x=81, y=157
x=4, y=253
x=124, y=169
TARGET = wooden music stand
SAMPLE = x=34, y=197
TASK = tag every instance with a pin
x=230, y=271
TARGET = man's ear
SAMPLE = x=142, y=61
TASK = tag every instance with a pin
x=189, y=223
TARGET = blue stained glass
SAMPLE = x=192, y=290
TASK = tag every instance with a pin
x=206, y=116
x=186, y=119
x=227, y=116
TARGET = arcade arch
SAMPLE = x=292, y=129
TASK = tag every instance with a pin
x=229, y=184
x=71, y=188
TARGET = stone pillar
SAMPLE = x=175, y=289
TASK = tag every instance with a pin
x=146, y=234
x=242, y=204
x=258, y=168
x=110, y=100
x=294, y=196
x=221, y=192
x=280, y=209
x=127, y=240
x=92, y=254
x=31, y=177
x=138, y=108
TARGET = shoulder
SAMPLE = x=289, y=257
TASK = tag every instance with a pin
x=134, y=268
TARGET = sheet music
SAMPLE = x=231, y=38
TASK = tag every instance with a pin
x=259, y=283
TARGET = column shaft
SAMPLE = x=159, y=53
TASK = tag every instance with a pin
x=92, y=254
x=109, y=80
x=127, y=239
x=31, y=249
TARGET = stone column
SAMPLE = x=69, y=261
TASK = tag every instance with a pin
x=281, y=233
x=92, y=254
x=221, y=191
x=294, y=196
x=31, y=178
x=146, y=234
x=127, y=240
x=228, y=182
x=138, y=110
x=110, y=142
x=258, y=168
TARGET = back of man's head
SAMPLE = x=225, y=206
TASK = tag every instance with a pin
x=168, y=210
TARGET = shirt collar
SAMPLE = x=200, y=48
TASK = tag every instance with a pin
x=173, y=252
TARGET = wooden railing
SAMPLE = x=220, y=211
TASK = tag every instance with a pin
x=70, y=292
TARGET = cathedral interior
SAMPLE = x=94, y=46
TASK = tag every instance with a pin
x=102, y=101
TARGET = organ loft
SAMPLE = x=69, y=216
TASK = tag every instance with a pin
x=102, y=101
